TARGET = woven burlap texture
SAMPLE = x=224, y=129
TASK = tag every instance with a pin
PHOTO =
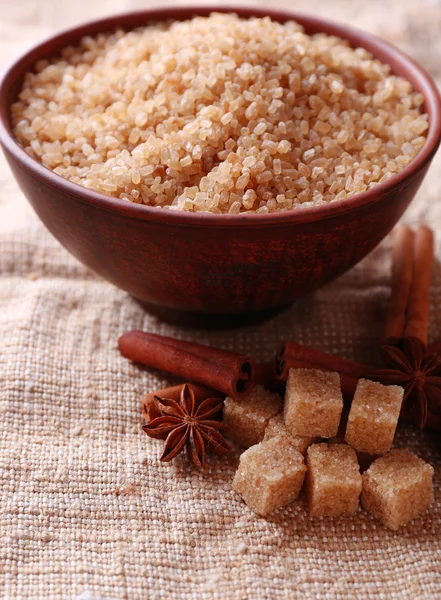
x=86, y=509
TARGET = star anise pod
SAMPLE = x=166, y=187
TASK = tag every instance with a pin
x=187, y=423
x=410, y=365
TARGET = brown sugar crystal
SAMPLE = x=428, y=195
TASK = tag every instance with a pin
x=333, y=482
x=245, y=420
x=276, y=429
x=219, y=113
x=373, y=416
x=270, y=475
x=313, y=402
x=397, y=488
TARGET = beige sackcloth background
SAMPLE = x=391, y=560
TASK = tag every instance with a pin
x=86, y=509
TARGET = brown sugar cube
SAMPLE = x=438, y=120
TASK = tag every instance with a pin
x=397, y=488
x=245, y=420
x=270, y=475
x=313, y=403
x=276, y=429
x=333, y=483
x=373, y=416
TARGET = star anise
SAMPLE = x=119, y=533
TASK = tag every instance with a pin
x=418, y=371
x=187, y=423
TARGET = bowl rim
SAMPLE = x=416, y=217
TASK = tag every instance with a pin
x=379, y=47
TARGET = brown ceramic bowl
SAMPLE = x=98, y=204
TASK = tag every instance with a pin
x=183, y=264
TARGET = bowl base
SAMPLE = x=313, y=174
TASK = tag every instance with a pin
x=185, y=318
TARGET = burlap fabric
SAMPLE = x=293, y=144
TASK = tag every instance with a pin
x=86, y=509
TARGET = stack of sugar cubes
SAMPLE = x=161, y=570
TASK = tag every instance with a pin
x=287, y=448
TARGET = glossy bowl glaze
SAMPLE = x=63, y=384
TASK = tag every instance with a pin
x=182, y=264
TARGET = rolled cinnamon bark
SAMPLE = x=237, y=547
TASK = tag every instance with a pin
x=200, y=392
x=266, y=376
x=224, y=371
x=417, y=320
x=402, y=272
x=295, y=356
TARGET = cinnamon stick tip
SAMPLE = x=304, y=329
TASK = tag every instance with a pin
x=128, y=341
x=245, y=381
x=280, y=363
x=423, y=228
x=122, y=341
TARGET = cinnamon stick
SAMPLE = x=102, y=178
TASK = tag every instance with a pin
x=418, y=304
x=266, y=376
x=174, y=393
x=402, y=271
x=295, y=356
x=227, y=372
